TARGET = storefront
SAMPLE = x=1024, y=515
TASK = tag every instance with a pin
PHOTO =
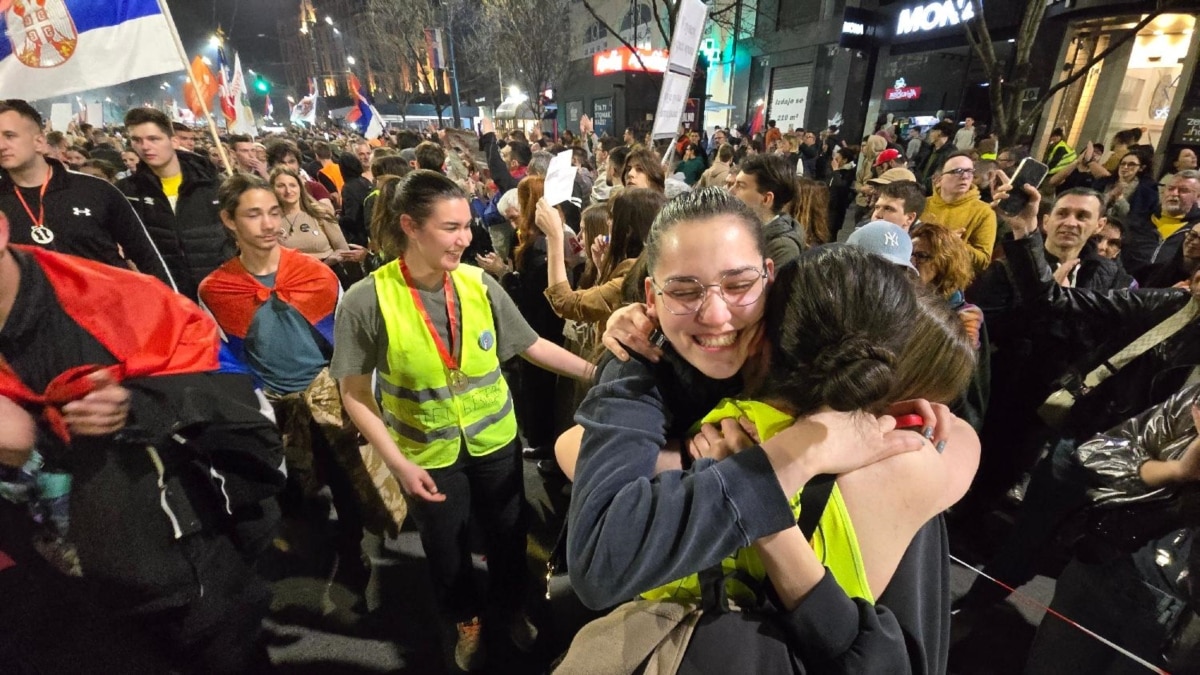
x=1148, y=82
x=614, y=88
x=928, y=70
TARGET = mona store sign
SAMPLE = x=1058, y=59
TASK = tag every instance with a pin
x=930, y=17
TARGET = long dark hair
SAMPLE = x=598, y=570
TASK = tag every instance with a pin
x=415, y=197
x=837, y=321
x=633, y=212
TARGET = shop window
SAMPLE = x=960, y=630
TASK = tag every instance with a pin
x=1134, y=87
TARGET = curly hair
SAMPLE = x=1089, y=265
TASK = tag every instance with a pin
x=951, y=259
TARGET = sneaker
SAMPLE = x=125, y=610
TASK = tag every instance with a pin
x=522, y=632
x=469, y=653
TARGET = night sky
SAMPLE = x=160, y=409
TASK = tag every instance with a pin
x=242, y=21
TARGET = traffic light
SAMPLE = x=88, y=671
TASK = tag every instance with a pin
x=261, y=85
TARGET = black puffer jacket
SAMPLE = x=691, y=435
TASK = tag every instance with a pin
x=190, y=238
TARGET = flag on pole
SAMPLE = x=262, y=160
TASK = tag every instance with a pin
x=363, y=115
x=225, y=86
x=202, y=76
x=270, y=111
x=244, y=122
x=54, y=47
x=305, y=110
x=434, y=49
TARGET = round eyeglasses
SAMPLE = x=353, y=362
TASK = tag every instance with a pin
x=738, y=288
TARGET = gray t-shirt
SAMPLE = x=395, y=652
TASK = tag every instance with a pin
x=361, y=339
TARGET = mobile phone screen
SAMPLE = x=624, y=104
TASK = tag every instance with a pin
x=1029, y=172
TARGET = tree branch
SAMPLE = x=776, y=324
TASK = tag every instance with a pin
x=604, y=24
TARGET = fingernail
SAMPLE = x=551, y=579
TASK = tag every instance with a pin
x=940, y=447
x=928, y=433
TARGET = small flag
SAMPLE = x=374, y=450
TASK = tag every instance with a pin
x=363, y=115
x=305, y=110
x=270, y=111
x=55, y=47
x=202, y=76
x=434, y=49
x=228, y=98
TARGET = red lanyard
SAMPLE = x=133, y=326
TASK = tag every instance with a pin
x=447, y=354
x=41, y=218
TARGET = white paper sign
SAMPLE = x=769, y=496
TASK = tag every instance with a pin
x=95, y=113
x=560, y=179
x=60, y=116
x=788, y=106
x=689, y=29
x=671, y=101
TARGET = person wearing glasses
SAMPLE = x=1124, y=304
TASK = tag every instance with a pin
x=956, y=205
x=639, y=520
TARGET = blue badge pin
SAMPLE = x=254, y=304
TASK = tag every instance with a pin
x=486, y=340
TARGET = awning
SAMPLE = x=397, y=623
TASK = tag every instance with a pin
x=515, y=110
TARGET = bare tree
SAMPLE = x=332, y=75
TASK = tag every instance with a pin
x=394, y=33
x=1011, y=114
x=530, y=40
x=724, y=14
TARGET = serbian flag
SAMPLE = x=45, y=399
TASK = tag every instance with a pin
x=51, y=48
x=225, y=86
x=202, y=77
x=363, y=115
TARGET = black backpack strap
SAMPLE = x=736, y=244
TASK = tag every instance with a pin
x=812, y=502
x=713, y=598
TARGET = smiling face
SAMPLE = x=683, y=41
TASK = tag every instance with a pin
x=438, y=242
x=1072, y=221
x=256, y=221
x=715, y=338
x=287, y=190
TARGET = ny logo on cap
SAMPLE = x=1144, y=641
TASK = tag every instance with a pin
x=891, y=239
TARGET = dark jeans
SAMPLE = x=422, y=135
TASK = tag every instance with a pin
x=1056, y=490
x=490, y=490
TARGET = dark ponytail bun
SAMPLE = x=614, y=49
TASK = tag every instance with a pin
x=836, y=320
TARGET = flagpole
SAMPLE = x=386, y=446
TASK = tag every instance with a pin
x=187, y=66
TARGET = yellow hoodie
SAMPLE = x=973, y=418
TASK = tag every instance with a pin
x=969, y=216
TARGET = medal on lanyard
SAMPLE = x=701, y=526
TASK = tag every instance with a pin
x=39, y=232
x=456, y=380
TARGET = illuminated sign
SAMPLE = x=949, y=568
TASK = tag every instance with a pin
x=623, y=60
x=934, y=15
x=853, y=28
x=900, y=91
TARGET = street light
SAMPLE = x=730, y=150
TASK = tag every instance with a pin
x=214, y=41
x=329, y=19
x=350, y=60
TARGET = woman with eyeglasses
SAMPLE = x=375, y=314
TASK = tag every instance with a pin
x=639, y=520
x=1130, y=193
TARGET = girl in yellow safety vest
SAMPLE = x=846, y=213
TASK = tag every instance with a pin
x=434, y=333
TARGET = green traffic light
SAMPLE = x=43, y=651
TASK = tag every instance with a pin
x=261, y=85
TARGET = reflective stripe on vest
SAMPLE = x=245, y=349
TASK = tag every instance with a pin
x=427, y=421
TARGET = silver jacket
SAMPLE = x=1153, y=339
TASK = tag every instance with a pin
x=1113, y=459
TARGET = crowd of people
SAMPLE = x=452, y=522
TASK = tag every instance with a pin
x=771, y=439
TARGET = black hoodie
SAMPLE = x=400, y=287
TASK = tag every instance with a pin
x=190, y=237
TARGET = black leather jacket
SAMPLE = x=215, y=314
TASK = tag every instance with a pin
x=1114, y=319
